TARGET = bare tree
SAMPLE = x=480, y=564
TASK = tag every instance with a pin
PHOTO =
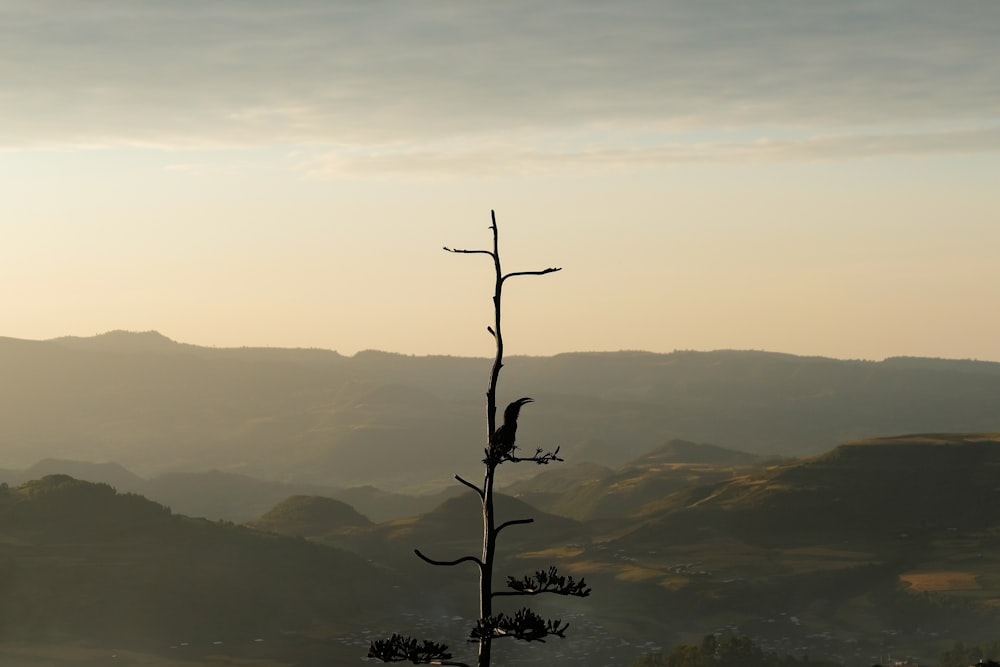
x=500, y=448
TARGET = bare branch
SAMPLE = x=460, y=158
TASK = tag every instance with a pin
x=469, y=252
x=470, y=485
x=463, y=559
x=538, y=457
x=513, y=522
x=530, y=273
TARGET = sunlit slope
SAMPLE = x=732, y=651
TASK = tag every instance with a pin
x=884, y=537
x=888, y=486
x=588, y=491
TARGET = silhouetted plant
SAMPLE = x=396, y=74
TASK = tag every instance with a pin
x=500, y=448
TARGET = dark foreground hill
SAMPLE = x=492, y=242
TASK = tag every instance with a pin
x=403, y=423
x=82, y=563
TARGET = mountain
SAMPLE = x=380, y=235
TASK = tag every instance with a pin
x=122, y=341
x=402, y=423
x=459, y=519
x=558, y=479
x=221, y=495
x=214, y=494
x=380, y=506
x=309, y=516
x=109, y=473
x=589, y=491
x=881, y=487
x=695, y=453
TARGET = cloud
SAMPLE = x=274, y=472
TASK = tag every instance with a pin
x=418, y=76
x=520, y=155
x=813, y=148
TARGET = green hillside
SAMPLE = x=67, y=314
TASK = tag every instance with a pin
x=309, y=516
x=80, y=562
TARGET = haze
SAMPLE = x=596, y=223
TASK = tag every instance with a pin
x=802, y=177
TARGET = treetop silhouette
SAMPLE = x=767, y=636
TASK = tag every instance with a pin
x=501, y=447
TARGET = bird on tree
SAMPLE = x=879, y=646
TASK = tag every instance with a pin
x=502, y=442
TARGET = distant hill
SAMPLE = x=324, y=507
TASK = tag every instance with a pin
x=109, y=473
x=309, y=516
x=682, y=451
x=561, y=478
x=402, y=423
x=122, y=341
x=214, y=494
x=379, y=505
x=886, y=486
x=221, y=495
x=589, y=491
x=454, y=528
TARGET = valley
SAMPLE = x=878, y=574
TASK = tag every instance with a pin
x=262, y=506
x=729, y=543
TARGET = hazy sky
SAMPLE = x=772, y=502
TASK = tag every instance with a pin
x=806, y=177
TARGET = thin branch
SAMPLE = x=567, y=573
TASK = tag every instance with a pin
x=463, y=559
x=470, y=485
x=528, y=273
x=538, y=457
x=513, y=522
x=469, y=252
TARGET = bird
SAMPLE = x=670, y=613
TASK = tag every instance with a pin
x=502, y=442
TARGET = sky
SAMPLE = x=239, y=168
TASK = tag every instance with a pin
x=817, y=178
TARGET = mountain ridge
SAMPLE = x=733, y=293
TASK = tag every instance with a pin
x=302, y=415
